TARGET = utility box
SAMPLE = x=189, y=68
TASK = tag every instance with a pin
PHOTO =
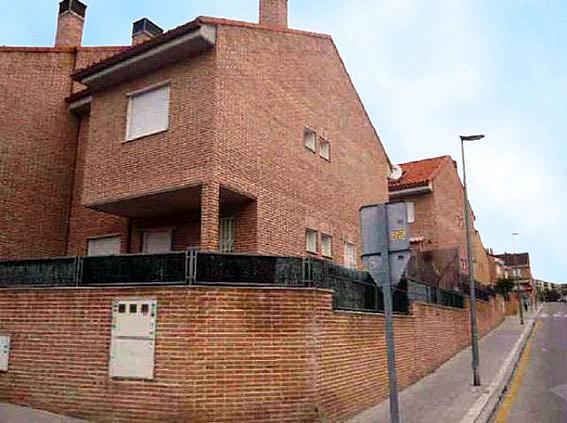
x=4, y=352
x=132, y=347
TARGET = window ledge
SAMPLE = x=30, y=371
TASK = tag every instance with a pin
x=160, y=131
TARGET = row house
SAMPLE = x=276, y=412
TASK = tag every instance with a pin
x=433, y=193
x=517, y=266
x=219, y=134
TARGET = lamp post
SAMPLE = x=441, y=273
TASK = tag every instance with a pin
x=470, y=264
x=516, y=278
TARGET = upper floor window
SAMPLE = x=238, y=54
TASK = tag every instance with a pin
x=410, y=206
x=157, y=242
x=103, y=246
x=310, y=139
x=325, y=149
x=350, y=255
x=326, y=245
x=311, y=241
x=148, y=112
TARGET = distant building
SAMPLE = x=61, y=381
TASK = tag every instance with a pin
x=517, y=267
x=433, y=193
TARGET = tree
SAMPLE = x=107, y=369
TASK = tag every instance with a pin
x=504, y=286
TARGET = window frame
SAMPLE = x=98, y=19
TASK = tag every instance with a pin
x=325, y=236
x=315, y=234
x=145, y=233
x=324, y=141
x=99, y=237
x=410, y=205
x=350, y=262
x=309, y=130
x=132, y=94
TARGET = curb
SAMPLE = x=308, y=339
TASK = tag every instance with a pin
x=484, y=406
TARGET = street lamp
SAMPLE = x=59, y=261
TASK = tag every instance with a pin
x=517, y=279
x=470, y=263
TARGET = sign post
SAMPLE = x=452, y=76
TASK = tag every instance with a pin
x=385, y=244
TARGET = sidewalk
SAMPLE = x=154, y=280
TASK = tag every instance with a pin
x=447, y=395
x=15, y=414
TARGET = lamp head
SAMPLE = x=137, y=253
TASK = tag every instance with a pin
x=471, y=137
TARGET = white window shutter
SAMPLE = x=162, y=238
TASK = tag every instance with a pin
x=107, y=246
x=148, y=112
x=157, y=242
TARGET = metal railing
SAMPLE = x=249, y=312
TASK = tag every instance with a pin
x=353, y=289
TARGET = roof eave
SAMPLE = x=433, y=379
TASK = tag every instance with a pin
x=198, y=39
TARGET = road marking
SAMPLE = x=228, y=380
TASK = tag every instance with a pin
x=502, y=416
x=557, y=315
x=543, y=316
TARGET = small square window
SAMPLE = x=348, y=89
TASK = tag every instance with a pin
x=121, y=308
x=310, y=139
x=133, y=308
x=325, y=149
x=327, y=245
x=145, y=309
x=311, y=241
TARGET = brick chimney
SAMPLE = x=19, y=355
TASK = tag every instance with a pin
x=273, y=13
x=144, y=30
x=70, y=23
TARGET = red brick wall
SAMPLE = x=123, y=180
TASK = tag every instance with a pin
x=38, y=144
x=226, y=355
x=272, y=85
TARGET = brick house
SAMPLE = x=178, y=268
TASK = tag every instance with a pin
x=517, y=266
x=433, y=192
x=218, y=134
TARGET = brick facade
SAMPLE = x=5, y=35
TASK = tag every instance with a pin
x=439, y=214
x=222, y=354
x=234, y=147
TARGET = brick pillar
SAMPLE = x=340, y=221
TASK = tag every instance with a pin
x=210, y=199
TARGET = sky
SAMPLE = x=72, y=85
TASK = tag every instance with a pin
x=427, y=71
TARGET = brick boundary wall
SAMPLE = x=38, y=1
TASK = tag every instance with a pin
x=222, y=354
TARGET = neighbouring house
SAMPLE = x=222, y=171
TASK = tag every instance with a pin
x=433, y=192
x=219, y=135
x=497, y=267
x=517, y=266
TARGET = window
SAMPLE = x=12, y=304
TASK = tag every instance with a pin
x=410, y=206
x=326, y=245
x=325, y=149
x=157, y=242
x=104, y=246
x=311, y=241
x=350, y=255
x=148, y=112
x=310, y=139
x=226, y=235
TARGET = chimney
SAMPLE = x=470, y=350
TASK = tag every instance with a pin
x=70, y=23
x=144, y=30
x=273, y=13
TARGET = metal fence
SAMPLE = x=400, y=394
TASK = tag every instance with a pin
x=353, y=289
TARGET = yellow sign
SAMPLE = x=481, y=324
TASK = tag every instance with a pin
x=399, y=235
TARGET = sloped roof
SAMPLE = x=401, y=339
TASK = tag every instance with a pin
x=419, y=173
x=523, y=259
x=174, y=33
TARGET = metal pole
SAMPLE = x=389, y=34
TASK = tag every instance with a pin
x=517, y=279
x=392, y=376
x=470, y=261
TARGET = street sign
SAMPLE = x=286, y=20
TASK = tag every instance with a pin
x=385, y=233
x=385, y=246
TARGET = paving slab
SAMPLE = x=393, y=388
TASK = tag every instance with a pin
x=10, y=413
x=447, y=395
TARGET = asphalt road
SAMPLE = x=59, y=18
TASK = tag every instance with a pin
x=538, y=391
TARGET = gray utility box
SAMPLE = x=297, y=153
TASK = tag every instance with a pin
x=132, y=347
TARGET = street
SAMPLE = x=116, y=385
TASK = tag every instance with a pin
x=538, y=390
